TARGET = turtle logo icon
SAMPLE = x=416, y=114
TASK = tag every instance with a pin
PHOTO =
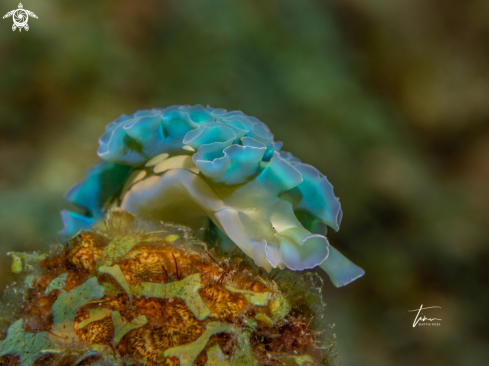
x=20, y=17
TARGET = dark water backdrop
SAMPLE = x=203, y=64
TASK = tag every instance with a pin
x=390, y=99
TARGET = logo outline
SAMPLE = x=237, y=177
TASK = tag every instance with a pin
x=20, y=16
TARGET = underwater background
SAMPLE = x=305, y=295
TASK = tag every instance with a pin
x=388, y=100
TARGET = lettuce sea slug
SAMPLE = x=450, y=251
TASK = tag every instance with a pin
x=206, y=167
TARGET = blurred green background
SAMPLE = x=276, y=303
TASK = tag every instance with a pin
x=389, y=99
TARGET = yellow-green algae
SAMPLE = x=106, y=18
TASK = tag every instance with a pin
x=264, y=319
x=187, y=354
x=279, y=307
x=17, y=265
x=95, y=314
x=122, y=328
x=117, y=249
x=67, y=305
x=26, y=262
x=186, y=289
x=171, y=238
x=299, y=360
x=256, y=298
x=215, y=356
x=58, y=283
x=30, y=346
x=17, y=338
x=243, y=356
x=115, y=271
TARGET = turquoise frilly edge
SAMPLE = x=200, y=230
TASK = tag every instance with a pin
x=189, y=164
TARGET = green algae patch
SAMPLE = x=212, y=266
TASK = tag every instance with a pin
x=95, y=315
x=186, y=289
x=301, y=360
x=39, y=344
x=121, y=328
x=115, y=271
x=255, y=298
x=67, y=305
x=58, y=283
x=187, y=354
x=23, y=260
x=17, y=265
x=30, y=346
x=215, y=356
x=26, y=264
x=116, y=250
x=243, y=355
x=264, y=319
x=279, y=307
x=172, y=238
